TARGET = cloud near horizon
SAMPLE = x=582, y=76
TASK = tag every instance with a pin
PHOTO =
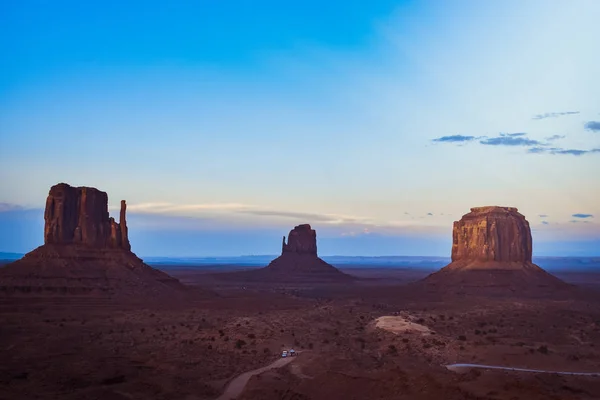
x=554, y=114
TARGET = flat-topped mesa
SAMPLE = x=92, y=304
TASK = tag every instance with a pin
x=492, y=233
x=301, y=240
x=79, y=215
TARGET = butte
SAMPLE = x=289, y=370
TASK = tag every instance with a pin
x=492, y=248
x=298, y=263
x=299, y=258
x=85, y=252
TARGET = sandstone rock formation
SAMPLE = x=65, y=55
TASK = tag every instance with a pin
x=79, y=215
x=301, y=240
x=85, y=252
x=492, y=246
x=299, y=258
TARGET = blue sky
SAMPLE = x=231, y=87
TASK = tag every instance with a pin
x=224, y=124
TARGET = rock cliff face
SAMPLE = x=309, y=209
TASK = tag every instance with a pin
x=79, y=215
x=492, y=234
x=85, y=252
x=492, y=247
x=299, y=259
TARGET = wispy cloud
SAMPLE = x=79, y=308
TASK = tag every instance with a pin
x=582, y=216
x=592, y=126
x=519, y=139
x=561, y=151
x=165, y=208
x=545, y=222
x=6, y=207
x=510, y=140
x=543, y=216
x=308, y=217
x=554, y=114
x=238, y=208
x=454, y=139
x=429, y=213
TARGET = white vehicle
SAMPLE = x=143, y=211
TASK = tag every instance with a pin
x=292, y=352
x=284, y=354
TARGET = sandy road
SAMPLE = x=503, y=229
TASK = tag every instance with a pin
x=461, y=367
x=237, y=385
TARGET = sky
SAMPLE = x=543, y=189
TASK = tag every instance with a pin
x=224, y=124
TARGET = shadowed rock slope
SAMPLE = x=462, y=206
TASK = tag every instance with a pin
x=84, y=252
x=492, y=247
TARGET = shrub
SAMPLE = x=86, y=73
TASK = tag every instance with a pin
x=239, y=343
x=462, y=337
x=251, y=336
x=543, y=349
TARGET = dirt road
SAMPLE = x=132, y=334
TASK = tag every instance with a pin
x=461, y=367
x=237, y=385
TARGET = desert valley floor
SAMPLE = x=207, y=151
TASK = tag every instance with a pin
x=91, y=348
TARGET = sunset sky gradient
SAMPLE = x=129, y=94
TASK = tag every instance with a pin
x=224, y=124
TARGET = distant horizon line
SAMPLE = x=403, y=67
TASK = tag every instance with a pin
x=198, y=257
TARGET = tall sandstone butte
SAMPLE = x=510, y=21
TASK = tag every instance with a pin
x=492, y=246
x=85, y=251
x=79, y=215
x=492, y=234
x=299, y=258
x=301, y=240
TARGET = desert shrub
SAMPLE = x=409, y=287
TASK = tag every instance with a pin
x=405, y=340
x=221, y=333
x=226, y=339
x=266, y=350
x=239, y=343
x=325, y=341
x=310, y=345
x=462, y=337
x=392, y=349
x=426, y=345
x=543, y=349
x=251, y=336
x=420, y=321
x=210, y=346
x=477, y=332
